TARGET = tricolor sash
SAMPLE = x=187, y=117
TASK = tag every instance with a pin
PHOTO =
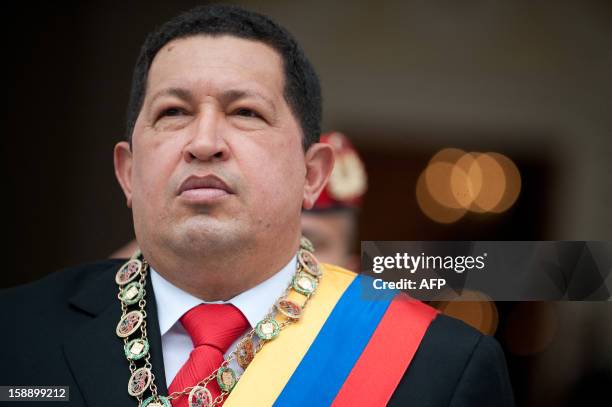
x=350, y=348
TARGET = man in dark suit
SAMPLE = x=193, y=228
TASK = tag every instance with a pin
x=221, y=157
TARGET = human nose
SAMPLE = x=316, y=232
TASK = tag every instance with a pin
x=206, y=141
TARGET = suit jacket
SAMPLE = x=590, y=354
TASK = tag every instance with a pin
x=61, y=331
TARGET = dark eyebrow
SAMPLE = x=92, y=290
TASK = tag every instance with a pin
x=181, y=93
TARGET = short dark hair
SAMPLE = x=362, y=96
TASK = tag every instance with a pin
x=302, y=89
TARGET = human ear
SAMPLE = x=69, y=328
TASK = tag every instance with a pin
x=319, y=164
x=122, y=155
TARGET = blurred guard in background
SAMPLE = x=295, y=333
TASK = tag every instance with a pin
x=332, y=223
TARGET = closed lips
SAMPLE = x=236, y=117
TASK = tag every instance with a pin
x=206, y=182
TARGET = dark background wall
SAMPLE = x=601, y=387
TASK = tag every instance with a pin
x=69, y=72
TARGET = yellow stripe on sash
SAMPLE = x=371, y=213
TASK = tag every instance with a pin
x=269, y=372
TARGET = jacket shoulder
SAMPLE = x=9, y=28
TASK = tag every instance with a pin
x=43, y=316
x=453, y=360
x=57, y=287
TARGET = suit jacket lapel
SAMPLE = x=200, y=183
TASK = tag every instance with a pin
x=95, y=353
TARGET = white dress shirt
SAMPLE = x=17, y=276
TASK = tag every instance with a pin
x=172, y=303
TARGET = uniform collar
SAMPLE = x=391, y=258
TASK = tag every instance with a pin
x=172, y=302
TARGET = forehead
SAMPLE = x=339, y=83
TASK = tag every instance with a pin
x=212, y=64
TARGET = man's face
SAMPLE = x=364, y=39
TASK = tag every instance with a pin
x=217, y=154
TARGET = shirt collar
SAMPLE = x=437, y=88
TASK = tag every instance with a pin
x=254, y=303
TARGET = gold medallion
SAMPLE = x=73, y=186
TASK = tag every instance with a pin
x=226, y=378
x=129, y=271
x=245, y=353
x=136, y=349
x=304, y=284
x=289, y=308
x=199, y=396
x=152, y=402
x=129, y=324
x=132, y=293
x=309, y=263
x=139, y=381
x=267, y=329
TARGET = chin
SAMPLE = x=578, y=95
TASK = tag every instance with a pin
x=204, y=235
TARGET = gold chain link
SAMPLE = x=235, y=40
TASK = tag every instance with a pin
x=231, y=356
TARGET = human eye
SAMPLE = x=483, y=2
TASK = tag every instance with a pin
x=246, y=112
x=170, y=117
x=171, y=112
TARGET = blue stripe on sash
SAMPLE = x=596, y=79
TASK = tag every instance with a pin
x=331, y=357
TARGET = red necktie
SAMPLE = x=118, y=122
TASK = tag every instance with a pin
x=213, y=328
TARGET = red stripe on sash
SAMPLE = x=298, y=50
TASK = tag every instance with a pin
x=387, y=355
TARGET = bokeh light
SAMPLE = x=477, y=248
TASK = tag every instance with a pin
x=493, y=183
x=466, y=180
x=456, y=181
x=513, y=182
x=431, y=207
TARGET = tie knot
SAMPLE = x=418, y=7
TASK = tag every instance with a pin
x=217, y=325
